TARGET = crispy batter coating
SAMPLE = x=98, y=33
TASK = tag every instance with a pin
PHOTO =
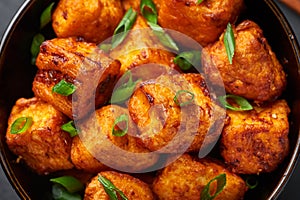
x=135, y=4
x=187, y=176
x=204, y=22
x=82, y=158
x=255, y=72
x=94, y=20
x=77, y=62
x=164, y=124
x=118, y=152
x=43, y=146
x=256, y=141
x=133, y=188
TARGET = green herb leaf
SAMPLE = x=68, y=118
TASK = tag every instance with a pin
x=187, y=59
x=64, y=88
x=164, y=38
x=46, y=16
x=123, y=28
x=115, y=129
x=229, y=42
x=251, y=182
x=111, y=190
x=183, y=97
x=21, y=125
x=37, y=40
x=60, y=193
x=199, y=1
x=148, y=10
x=70, y=128
x=221, y=182
x=70, y=183
x=242, y=102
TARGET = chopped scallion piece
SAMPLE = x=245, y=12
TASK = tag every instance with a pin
x=105, y=47
x=37, y=40
x=123, y=28
x=64, y=88
x=240, y=101
x=60, y=193
x=111, y=190
x=46, y=16
x=21, y=125
x=229, y=42
x=148, y=10
x=251, y=182
x=221, y=182
x=187, y=59
x=116, y=130
x=183, y=97
x=70, y=183
x=70, y=128
x=199, y=1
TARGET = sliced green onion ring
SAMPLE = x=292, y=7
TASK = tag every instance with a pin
x=46, y=16
x=70, y=183
x=37, y=40
x=64, y=88
x=60, y=193
x=111, y=190
x=70, y=128
x=123, y=28
x=251, y=182
x=199, y=1
x=120, y=119
x=229, y=42
x=244, y=105
x=221, y=182
x=21, y=125
x=187, y=59
x=148, y=10
x=179, y=95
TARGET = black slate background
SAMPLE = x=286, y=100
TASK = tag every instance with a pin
x=8, y=9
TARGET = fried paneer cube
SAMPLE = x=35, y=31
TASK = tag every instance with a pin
x=80, y=63
x=44, y=147
x=203, y=22
x=110, y=136
x=131, y=187
x=165, y=123
x=255, y=72
x=256, y=141
x=187, y=176
x=94, y=20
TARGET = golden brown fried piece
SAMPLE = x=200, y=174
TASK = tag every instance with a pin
x=166, y=125
x=82, y=158
x=80, y=63
x=43, y=146
x=187, y=176
x=256, y=141
x=132, y=188
x=204, y=22
x=135, y=4
x=94, y=20
x=255, y=72
x=115, y=151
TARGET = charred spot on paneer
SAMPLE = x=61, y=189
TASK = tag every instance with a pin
x=43, y=146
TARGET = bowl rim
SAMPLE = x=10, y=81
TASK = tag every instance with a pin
x=17, y=187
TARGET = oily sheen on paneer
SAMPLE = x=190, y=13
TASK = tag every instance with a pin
x=132, y=188
x=44, y=147
x=80, y=63
x=255, y=72
x=256, y=141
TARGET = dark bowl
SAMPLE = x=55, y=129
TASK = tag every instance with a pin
x=17, y=75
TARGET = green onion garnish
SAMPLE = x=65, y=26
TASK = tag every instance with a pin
x=148, y=10
x=229, y=42
x=70, y=128
x=37, y=40
x=183, y=97
x=64, y=88
x=21, y=125
x=105, y=47
x=199, y=1
x=115, y=129
x=187, y=59
x=221, y=182
x=242, y=102
x=111, y=190
x=123, y=92
x=70, y=183
x=46, y=16
x=123, y=28
x=251, y=182
x=60, y=193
